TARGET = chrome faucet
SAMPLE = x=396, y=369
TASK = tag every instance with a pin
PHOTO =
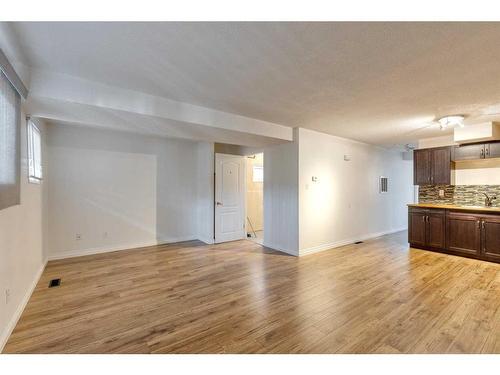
x=488, y=201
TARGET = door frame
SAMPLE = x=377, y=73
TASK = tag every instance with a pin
x=242, y=195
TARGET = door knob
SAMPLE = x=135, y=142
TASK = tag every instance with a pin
x=219, y=204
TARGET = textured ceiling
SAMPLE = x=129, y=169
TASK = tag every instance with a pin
x=380, y=83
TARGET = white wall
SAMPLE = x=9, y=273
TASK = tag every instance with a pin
x=118, y=190
x=482, y=176
x=445, y=140
x=205, y=205
x=281, y=198
x=345, y=205
x=22, y=256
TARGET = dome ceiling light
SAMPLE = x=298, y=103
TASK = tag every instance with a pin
x=450, y=121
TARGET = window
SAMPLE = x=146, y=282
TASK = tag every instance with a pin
x=9, y=143
x=258, y=173
x=34, y=153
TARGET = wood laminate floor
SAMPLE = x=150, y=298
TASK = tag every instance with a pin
x=376, y=297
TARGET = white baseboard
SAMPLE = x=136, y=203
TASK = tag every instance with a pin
x=109, y=249
x=208, y=241
x=317, y=249
x=166, y=240
x=280, y=249
x=99, y=250
x=15, y=318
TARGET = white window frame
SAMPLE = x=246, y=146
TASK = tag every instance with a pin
x=34, y=176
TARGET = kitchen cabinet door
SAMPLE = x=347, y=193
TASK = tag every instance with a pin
x=417, y=226
x=468, y=152
x=436, y=224
x=492, y=150
x=491, y=238
x=441, y=166
x=422, y=167
x=463, y=232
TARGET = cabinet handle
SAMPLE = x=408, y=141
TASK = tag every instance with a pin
x=482, y=153
x=478, y=225
x=482, y=225
x=487, y=150
x=423, y=219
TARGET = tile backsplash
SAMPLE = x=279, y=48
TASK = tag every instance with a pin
x=465, y=195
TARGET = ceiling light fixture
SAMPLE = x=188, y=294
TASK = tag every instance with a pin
x=454, y=120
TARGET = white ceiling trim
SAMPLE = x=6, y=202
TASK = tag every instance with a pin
x=69, y=89
x=68, y=113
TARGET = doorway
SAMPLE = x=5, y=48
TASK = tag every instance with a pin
x=255, y=197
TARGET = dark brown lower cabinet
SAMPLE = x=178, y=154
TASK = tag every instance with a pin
x=436, y=229
x=464, y=233
x=471, y=234
x=417, y=225
x=490, y=228
x=427, y=228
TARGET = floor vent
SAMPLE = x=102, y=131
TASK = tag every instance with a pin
x=358, y=242
x=54, y=282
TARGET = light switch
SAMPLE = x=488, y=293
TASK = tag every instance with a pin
x=314, y=179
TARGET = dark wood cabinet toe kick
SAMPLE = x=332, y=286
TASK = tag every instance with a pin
x=454, y=231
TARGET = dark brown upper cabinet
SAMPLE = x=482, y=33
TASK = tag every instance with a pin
x=468, y=152
x=476, y=151
x=492, y=150
x=432, y=166
x=421, y=167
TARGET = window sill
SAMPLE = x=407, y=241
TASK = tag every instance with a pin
x=34, y=180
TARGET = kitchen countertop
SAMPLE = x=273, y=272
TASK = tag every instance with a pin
x=455, y=207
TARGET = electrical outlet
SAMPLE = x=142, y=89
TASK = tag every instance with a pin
x=7, y=296
x=78, y=237
x=441, y=193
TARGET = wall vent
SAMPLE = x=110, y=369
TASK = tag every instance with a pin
x=384, y=184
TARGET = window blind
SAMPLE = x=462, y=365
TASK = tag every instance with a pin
x=10, y=115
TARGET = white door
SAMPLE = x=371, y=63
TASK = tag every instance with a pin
x=229, y=198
